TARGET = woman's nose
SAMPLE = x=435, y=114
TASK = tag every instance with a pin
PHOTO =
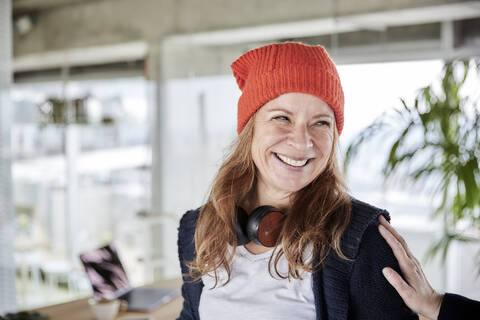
x=300, y=138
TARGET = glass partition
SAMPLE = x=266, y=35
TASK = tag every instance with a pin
x=81, y=176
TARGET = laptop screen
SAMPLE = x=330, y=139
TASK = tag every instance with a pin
x=105, y=272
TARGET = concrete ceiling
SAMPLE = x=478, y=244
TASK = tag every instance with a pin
x=74, y=32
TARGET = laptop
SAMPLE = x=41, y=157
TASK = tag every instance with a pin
x=109, y=281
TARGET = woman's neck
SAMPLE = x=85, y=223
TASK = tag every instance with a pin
x=264, y=196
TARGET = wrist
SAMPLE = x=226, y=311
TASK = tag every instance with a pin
x=434, y=306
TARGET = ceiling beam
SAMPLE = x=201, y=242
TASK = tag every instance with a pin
x=81, y=56
x=316, y=27
x=24, y=6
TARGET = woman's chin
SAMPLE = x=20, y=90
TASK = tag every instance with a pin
x=289, y=186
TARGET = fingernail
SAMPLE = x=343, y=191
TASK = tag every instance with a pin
x=387, y=272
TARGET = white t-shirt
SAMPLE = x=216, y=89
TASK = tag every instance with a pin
x=252, y=293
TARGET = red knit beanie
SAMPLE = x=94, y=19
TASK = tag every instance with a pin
x=265, y=73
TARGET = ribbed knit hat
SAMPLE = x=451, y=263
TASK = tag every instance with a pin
x=264, y=73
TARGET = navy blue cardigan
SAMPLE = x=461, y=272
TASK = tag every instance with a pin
x=342, y=289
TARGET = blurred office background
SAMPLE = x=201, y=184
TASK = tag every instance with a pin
x=115, y=115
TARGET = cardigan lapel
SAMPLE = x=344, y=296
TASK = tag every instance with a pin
x=331, y=283
x=317, y=286
x=336, y=276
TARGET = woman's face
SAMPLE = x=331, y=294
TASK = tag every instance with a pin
x=292, y=141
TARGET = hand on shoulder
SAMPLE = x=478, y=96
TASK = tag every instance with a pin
x=413, y=287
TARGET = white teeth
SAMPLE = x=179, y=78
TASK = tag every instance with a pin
x=292, y=162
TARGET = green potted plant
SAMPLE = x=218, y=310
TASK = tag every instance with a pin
x=436, y=141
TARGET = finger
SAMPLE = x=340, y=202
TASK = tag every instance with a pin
x=402, y=287
x=389, y=227
x=404, y=261
x=409, y=266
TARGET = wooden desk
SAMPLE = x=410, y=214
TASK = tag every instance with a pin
x=80, y=310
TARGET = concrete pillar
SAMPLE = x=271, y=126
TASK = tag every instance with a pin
x=7, y=225
x=156, y=84
x=158, y=232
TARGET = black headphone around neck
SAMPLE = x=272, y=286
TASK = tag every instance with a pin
x=262, y=226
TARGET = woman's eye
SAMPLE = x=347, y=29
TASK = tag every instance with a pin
x=323, y=123
x=281, y=118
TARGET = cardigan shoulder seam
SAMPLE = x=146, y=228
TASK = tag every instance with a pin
x=363, y=215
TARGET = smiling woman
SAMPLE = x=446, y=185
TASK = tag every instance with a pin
x=279, y=237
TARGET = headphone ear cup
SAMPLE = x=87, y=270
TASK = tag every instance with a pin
x=241, y=226
x=264, y=225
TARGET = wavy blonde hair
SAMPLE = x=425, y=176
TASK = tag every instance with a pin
x=320, y=214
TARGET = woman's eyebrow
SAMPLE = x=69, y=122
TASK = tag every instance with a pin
x=318, y=115
x=322, y=115
x=280, y=109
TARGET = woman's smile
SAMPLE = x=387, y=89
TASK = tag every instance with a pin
x=291, y=161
